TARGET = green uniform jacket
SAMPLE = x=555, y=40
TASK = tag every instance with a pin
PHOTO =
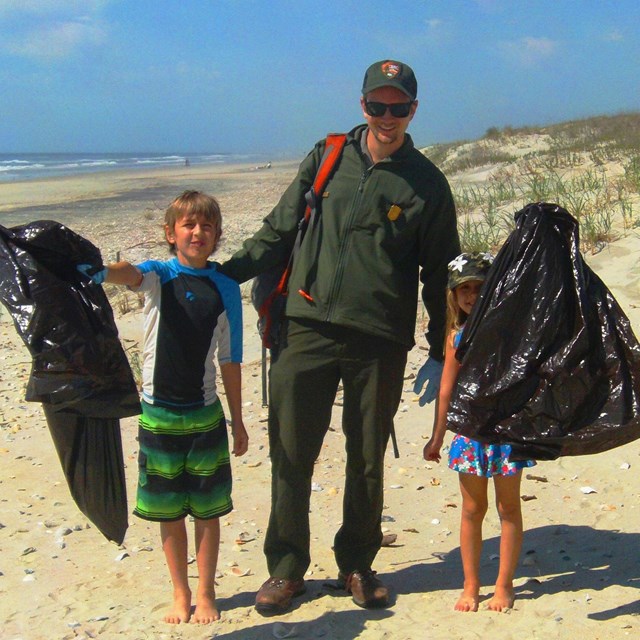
x=378, y=229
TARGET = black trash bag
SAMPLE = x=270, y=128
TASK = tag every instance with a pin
x=79, y=370
x=90, y=452
x=65, y=321
x=549, y=362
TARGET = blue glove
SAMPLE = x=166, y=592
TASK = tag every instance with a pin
x=96, y=277
x=430, y=371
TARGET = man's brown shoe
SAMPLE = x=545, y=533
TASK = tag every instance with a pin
x=275, y=595
x=366, y=590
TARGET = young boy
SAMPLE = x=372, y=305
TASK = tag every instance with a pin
x=191, y=311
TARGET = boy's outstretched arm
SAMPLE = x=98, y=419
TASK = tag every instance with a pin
x=123, y=273
x=116, y=273
x=232, y=382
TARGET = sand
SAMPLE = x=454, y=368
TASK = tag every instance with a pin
x=579, y=572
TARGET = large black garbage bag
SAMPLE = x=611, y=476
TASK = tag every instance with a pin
x=549, y=362
x=90, y=452
x=79, y=369
x=65, y=321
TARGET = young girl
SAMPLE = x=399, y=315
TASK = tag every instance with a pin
x=477, y=462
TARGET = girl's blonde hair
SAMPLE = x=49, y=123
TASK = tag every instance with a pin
x=456, y=317
x=196, y=204
x=467, y=266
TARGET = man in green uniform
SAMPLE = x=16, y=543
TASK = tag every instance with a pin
x=386, y=220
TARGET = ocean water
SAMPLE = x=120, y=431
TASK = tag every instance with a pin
x=28, y=166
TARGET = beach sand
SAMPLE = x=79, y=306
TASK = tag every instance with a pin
x=579, y=573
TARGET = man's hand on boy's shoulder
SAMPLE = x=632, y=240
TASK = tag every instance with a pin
x=240, y=438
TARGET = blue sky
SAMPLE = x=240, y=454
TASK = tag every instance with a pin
x=274, y=76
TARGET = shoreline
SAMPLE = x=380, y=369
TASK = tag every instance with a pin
x=123, y=211
x=29, y=193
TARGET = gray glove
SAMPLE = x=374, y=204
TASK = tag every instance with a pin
x=431, y=373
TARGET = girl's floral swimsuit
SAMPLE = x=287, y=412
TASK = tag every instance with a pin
x=470, y=456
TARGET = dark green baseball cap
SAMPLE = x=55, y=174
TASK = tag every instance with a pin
x=468, y=266
x=390, y=73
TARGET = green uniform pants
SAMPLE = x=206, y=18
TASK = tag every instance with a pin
x=303, y=383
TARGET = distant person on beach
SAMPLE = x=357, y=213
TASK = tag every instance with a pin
x=476, y=462
x=192, y=312
x=387, y=219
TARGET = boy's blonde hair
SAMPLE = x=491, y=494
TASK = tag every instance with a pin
x=193, y=204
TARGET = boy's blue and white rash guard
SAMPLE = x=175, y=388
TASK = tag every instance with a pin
x=188, y=315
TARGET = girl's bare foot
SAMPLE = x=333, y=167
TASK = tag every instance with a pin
x=181, y=611
x=503, y=599
x=206, y=611
x=468, y=600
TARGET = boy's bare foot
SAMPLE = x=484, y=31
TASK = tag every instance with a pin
x=206, y=611
x=503, y=599
x=181, y=611
x=468, y=600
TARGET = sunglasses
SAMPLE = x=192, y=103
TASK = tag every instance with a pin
x=378, y=109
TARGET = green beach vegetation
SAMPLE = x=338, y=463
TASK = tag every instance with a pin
x=591, y=167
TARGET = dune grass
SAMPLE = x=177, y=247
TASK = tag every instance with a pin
x=590, y=167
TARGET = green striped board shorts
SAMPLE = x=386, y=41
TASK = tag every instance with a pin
x=183, y=463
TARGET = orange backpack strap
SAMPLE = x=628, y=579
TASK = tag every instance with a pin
x=333, y=149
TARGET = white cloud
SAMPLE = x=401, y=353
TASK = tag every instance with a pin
x=529, y=51
x=437, y=33
x=613, y=36
x=57, y=39
x=163, y=75
x=51, y=29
